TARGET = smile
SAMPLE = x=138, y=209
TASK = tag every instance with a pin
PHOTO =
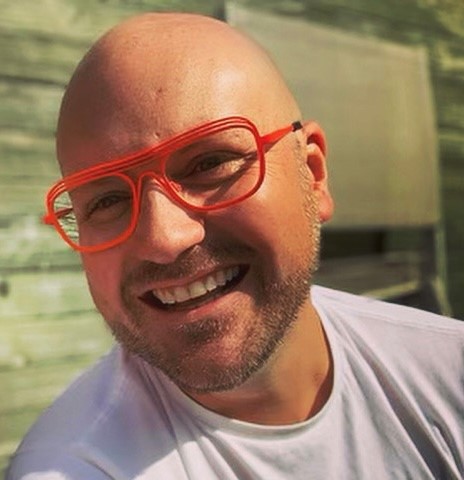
x=197, y=292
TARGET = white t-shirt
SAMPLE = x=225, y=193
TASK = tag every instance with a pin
x=396, y=411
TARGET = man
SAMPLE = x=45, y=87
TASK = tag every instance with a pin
x=195, y=195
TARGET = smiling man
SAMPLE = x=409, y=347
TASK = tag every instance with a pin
x=195, y=193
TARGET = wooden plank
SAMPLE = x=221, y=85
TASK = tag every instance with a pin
x=35, y=386
x=371, y=276
x=31, y=106
x=453, y=184
x=24, y=198
x=27, y=154
x=46, y=293
x=46, y=58
x=392, y=19
x=27, y=169
x=26, y=243
x=452, y=149
x=58, y=339
x=449, y=101
x=72, y=19
x=86, y=19
x=455, y=229
x=448, y=58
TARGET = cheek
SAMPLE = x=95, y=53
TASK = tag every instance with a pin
x=282, y=201
x=274, y=222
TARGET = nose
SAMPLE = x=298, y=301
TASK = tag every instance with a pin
x=164, y=229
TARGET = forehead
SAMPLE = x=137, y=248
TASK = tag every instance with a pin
x=134, y=123
x=118, y=103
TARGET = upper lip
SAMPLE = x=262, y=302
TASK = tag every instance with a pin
x=197, y=288
x=183, y=281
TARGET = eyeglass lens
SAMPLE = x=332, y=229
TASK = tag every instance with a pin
x=212, y=169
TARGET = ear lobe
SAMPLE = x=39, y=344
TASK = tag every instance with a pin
x=316, y=149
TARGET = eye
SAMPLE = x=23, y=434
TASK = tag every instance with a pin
x=213, y=160
x=108, y=206
x=212, y=168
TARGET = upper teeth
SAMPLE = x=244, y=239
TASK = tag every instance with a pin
x=197, y=288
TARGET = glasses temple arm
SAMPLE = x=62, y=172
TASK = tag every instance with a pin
x=273, y=137
x=48, y=217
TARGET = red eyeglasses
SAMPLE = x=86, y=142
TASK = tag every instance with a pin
x=211, y=166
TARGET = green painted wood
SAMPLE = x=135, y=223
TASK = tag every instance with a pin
x=29, y=106
x=47, y=293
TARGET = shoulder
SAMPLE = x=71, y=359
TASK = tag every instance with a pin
x=404, y=364
x=90, y=397
x=84, y=432
x=394, y=333
x=353, y=312
x=419, y=348
x=411, y=355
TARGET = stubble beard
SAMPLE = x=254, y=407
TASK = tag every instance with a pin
x=278, y=304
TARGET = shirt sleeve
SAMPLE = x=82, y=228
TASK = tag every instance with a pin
x=53, y=465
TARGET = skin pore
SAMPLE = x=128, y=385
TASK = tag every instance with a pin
x=257, y=350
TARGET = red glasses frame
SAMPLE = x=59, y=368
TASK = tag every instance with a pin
x=162, y=149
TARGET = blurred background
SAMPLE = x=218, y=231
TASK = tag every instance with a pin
x=385, y=78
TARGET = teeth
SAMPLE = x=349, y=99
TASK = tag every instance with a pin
x=169, y=298
x=181, y=294
x=221, y=278
x=229, y=274
x=197, y=288
x=210, y=283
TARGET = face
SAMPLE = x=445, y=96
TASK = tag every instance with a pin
x=238, y=279
x=208, y=297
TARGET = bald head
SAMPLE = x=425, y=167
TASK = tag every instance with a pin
x=157, y=74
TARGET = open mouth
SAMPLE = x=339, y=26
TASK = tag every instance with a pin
x=196, y=293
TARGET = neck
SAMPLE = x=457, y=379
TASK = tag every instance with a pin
x=293, y=386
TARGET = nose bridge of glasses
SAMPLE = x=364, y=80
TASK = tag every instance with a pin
x=163, y=223
x=148, y=182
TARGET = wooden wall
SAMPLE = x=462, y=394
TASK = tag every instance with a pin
x=48, y=328
x=439, y=26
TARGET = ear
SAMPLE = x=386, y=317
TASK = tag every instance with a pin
x=316, y=149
